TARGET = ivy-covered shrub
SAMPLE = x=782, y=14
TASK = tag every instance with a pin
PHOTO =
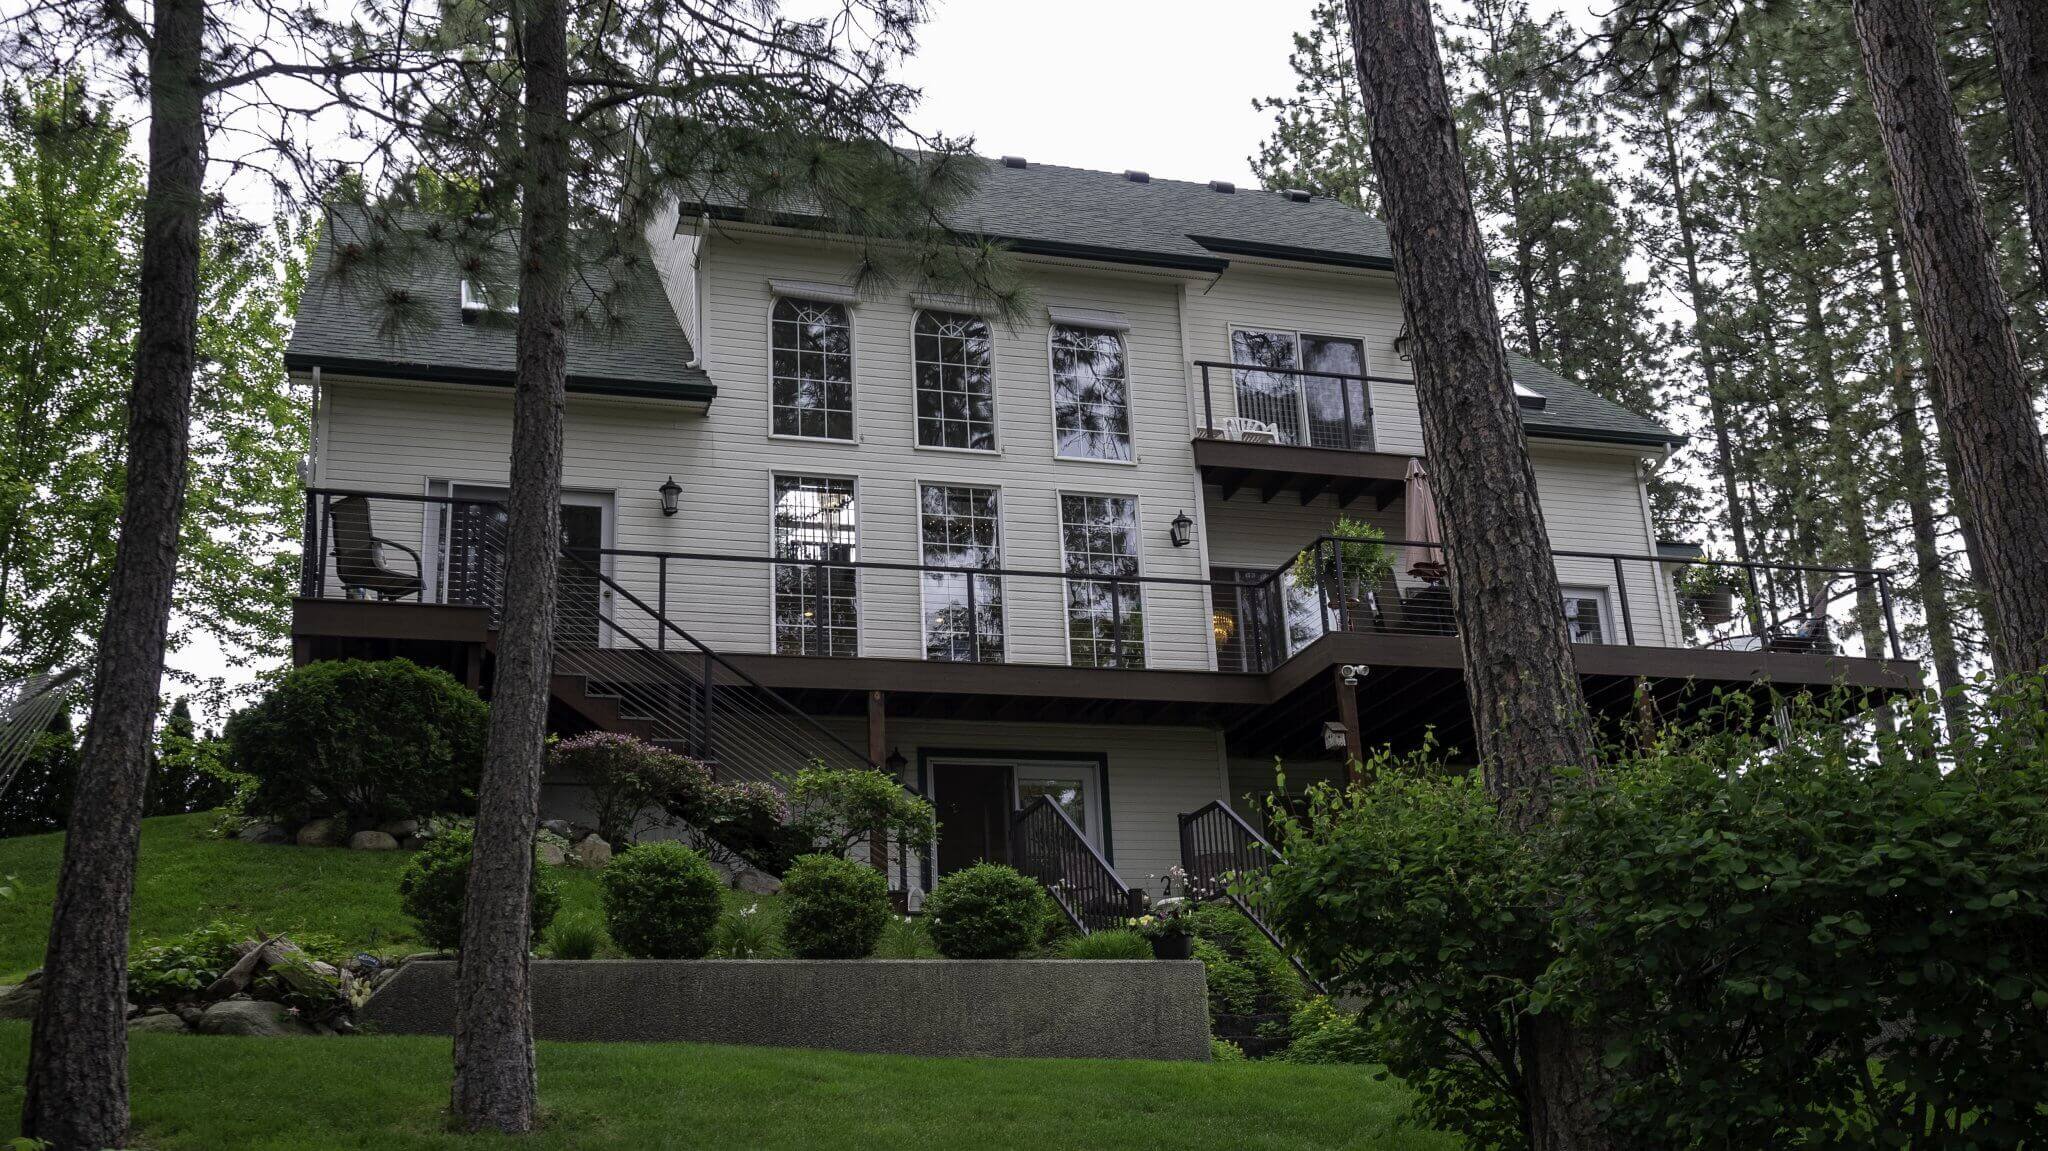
x=632, y=784
x=435, y=880
x=1824, y=935
x=661, y=901
x=373, y=739
x=833, y=908
x=987, y=911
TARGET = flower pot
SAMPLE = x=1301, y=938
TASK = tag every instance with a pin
x=1173, y=947
x=1716, y=605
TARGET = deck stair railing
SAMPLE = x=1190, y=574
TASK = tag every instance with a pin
x=1048, y=847
x=1225, y=858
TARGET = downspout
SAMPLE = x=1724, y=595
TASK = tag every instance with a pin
x=696, y=359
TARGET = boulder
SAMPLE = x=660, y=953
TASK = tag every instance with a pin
x=593, y=852
x=400, y=829
x=190, y=1013
x=754, y=881
x=321, y=833
x=372, y=841
x=20, y=1001
x=264, y=833
x=165, y=1021
x=552, y=854
x=251, y=1017
x=561, y=827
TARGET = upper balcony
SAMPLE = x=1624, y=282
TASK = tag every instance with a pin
x=1271, y=430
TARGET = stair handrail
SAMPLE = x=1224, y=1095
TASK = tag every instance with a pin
x=1206, y=885
x=1057, y=886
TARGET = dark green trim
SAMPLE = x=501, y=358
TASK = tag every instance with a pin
x=1101, y=759
x=703, y=391
x=1645, y=439
x=1290, y=252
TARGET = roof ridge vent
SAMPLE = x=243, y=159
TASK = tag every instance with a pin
x=1013, y=161
x=1298, y=195
x=1137, y=177
x=1224, y=186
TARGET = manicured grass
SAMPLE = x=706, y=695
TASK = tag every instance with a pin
x=185, y=880
x=390, y=1093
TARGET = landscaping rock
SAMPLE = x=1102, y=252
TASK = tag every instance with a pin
x=190, y=1013
x=321, y=833
x=552, y=854
x=593, y=852
x=400, y=829
x=754, y=881
x=251, y=1017
x=372, y=841
x=264, y=833
x=561, y=827
x=20, y=1001
x=164, y=1021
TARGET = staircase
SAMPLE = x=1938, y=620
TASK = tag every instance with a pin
x=1220, y=851
x=1045, y=845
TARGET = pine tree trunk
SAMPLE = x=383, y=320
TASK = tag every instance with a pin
x=2020, y=32
x=77, y=1090
x=1972, y=356
x=496, y=1088
x=1849, y=481
x=1527, y=707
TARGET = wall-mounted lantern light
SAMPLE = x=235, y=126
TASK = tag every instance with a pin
x=1403, y=343
x=896, y=763
x=1183, y=530
x=671, y=496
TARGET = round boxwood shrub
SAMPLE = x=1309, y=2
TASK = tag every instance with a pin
x=987, y=911
x=435, y=881
x=661, y=901
x=373, y=739
x=833, y=908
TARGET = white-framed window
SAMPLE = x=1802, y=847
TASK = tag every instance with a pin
x=811, y=369
x=1315, y=410
x=1105, y=603
x=816, y=526
x=1075, y=788
x=961, y=527
x=1091, y=409
x=1585, y=614
x=953, y=368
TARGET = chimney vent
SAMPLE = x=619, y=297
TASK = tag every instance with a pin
x=1223, y=186
x=1296, y=195
x=1136, y=177
x=1013, y=161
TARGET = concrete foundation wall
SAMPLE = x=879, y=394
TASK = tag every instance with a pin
x=1042, y=1008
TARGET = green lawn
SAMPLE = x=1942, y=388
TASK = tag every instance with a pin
x=389, y=1093
x=186, y=880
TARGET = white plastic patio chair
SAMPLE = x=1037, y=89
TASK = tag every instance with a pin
x=1250, y=430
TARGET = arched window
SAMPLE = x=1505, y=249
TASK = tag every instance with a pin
x=956, y=386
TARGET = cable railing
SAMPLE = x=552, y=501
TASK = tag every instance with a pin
x=1047, y=846
x=1298, y=406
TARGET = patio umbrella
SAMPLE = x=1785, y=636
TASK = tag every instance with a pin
x=1422, y=527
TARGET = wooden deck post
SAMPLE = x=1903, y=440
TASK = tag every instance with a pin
x=1347, y=714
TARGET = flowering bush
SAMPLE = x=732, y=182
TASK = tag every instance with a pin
x=1171, y=916
x=633, y=784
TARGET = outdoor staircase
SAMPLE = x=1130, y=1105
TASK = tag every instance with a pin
x=1220, y=852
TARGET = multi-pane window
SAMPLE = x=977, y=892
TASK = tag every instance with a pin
x=1584, y=614
x=1090, y=397
x=812, y=370
x=963, y=614
x=956, y=387
x=817, y=604
x=1105, y=603
x=1324, y=411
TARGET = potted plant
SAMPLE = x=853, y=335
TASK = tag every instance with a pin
x=1169, y=922
x=1348, y=569
x=1709, y=592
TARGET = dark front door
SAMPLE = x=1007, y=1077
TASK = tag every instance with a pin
x=973, y=802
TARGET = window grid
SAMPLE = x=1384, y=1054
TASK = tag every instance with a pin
x=956, y=401
x=812, y=370
x=963, y=614
x=1099, y=538
x=1283, y=398
x=1091, y=397
x=1585, y=614
x=816, y=522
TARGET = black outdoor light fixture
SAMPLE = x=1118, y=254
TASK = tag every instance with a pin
x=896, y=762
x=1402, y=342
x=671, y=494
x=1183, y=530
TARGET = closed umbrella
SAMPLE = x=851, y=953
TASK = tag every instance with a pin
x=1422, y=528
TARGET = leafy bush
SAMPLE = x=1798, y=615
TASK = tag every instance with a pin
x=633, y=784
x=375, y=739
x=840, y=807
x=435, y=880
x=744, y=933
x=661, y=901
x=1247, y=975
x=1224, y=1051
x=576, y=937
x=1319, y=1033
x=833, y=908
x=1106, y=945
x=1814, y=936
x=987, y=911
x=751, y=820
x=905, y=938
x=175, y=970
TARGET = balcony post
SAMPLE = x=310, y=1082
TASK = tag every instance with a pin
x=1891, y=623
x=661, y=603
x=320, y=548
x=1344, y=392
x=1628, y=626
x=1116, y=621
x=1208, y=405
x=973, y=623
x=1347, y=714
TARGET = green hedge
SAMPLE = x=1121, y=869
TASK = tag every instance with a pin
x=435, y=882
x=833, y=908
x=661, y=901
x=987, y=911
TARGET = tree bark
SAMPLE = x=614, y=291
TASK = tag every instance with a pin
x=1527, y=707
x=77, y=1089
x=2020, y=35
x=496, y=1086
x=1972, y=355
x=1849, y=481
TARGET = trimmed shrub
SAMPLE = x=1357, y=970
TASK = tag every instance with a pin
x=661, y=901
x=633, y=784
x=1105, y=945
x=576, y=937
x=987, y=911
x=833, y=908
x=432, y=887
x=373, y=739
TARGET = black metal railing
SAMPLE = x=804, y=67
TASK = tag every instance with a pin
x=1225, y=859
x=355, y=548
x=1046, y=846
x=1300, y=406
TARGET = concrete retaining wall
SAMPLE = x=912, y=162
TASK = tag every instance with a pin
x=1049, y=1008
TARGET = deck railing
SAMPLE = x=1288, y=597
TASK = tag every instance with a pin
x=1298, y=406
x=1048, y=847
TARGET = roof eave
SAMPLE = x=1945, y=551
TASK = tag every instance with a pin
x=1297, y=255
x=686, y=391
x=1662, y=440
